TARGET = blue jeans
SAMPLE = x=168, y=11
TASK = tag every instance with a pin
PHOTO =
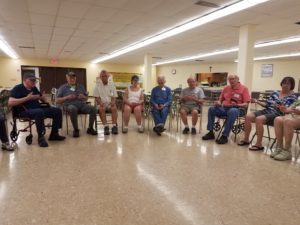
x=231, y=113
x=160, y=116
x=38, y=116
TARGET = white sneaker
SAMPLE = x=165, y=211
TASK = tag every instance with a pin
x=276, y=152
x=141, y=129
x=283, y=155
x=125, y=130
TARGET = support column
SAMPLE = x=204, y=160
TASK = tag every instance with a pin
x=246, y=54
x=147, y=81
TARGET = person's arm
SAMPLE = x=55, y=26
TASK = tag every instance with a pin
x=60, y=99
x=169, y=101
x=142, y=97
x=18, y=101
x=125, y=97
x=152, y=99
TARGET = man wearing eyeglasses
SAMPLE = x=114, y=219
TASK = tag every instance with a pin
x=27, y=98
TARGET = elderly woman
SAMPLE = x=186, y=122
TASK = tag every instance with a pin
x=133, y=103
x=284, y=128
x=285, y=97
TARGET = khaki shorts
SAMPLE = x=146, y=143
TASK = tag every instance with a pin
x=189, y=109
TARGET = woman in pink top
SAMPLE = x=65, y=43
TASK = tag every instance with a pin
x=133, y=103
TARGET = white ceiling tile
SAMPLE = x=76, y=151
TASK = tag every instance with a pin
x=83, y=33
x=46, y=30
x=118, y=4
x=91, y=25
x=63, y=31
x=100, y=13
x=44, y=7
x=73, y=9
x=41, y=19
x=66, y=22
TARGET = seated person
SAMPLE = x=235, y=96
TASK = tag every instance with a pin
x=161, y=99
x=106, y=95
x=74, y=98
x=26, y=98
x=272, y=109
x=191, y=99
x=3, y=134
x=284, y=128
x=133, y=102
x=232, y=103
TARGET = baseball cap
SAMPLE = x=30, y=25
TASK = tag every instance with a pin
x=29, y=75
x=71, y=74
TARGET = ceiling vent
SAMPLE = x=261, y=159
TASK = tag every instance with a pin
x=156, y=57
x=199, y=60
x=298, y=23
x=27, y=47
x=207, y=4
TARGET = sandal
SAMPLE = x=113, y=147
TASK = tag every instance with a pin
x=243, y=143
x=256, y=148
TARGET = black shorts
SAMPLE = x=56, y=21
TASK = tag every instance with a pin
x=270, y=117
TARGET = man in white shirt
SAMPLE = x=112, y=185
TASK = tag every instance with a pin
x=106, y=95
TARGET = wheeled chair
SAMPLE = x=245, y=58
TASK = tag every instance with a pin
x=16, y=117
x=238, y=127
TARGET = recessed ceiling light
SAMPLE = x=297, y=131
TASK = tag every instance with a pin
x=7, y=49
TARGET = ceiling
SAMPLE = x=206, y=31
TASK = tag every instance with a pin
x=87, y=29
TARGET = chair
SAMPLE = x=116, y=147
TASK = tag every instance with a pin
x=14, y=134
x=266, y=136
x=238, y=126
x=297, y=132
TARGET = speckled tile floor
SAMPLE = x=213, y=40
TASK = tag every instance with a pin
x=142, y=179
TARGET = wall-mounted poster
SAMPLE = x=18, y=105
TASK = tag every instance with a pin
x=123, y=80
x=266, y=70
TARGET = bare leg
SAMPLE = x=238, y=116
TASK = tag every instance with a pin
x=289, y=126
x=183, y=115
x=194, y=117
x=126, y=115
x=138, y=115
x=260, y=121
x=278, y=125
x=102, y=115
x=250, y=118
x=114, y=113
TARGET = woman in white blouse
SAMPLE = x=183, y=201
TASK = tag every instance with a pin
x=133, y=103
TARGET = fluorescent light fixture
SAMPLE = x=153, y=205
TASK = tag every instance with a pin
x=225, y=11
x=277, y=42
x=258, y=45
x=218, y=52
x=7, y=50
x=277, y=56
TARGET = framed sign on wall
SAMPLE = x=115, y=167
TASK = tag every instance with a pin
x=266, y=70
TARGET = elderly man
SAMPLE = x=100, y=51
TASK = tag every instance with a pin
x=191, y=99
x=232, y=103
x=74, y=98
x=106, y=95
x=26, y=97
x=161, y=99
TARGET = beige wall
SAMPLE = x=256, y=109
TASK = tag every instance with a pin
x=281, y=68
x=10, y=73
x=10, y=69
x=183, y=71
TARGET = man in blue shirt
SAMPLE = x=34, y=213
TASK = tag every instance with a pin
x=26, y=98
x=161, y=100
x=73, y=96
